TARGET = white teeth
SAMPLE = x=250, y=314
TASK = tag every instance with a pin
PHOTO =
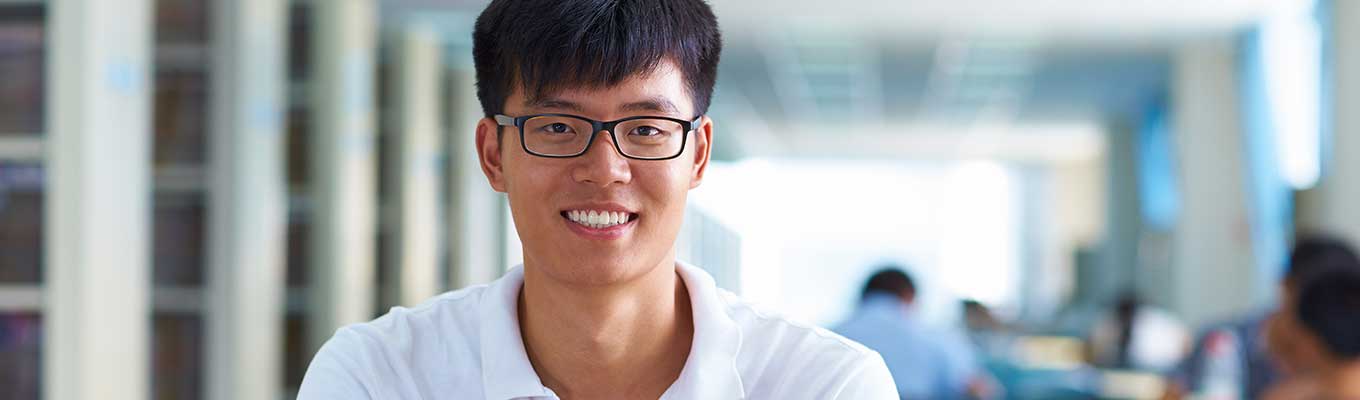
x=597, y=219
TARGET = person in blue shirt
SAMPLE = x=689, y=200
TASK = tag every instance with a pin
x=925, y=363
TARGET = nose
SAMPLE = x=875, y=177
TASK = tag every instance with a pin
x=602, y=164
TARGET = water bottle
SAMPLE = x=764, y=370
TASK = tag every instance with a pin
x=1222, y=366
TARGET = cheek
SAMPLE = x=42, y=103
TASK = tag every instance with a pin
x=525, y=174
x=666, y=191
x=666, y=187
x=528, y=187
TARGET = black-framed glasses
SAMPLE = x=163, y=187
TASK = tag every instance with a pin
x=566, y=136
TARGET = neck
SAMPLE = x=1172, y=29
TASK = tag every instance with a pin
x=615, y=341
x=1343, y=381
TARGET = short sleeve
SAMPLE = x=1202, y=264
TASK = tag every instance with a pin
x=871, y=381
x=334, y=373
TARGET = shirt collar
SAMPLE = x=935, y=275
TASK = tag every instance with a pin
x=506, y=371
x=880, y=304
x=710, y=371
x=880, y=301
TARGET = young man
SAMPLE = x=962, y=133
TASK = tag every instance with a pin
x=595, y=130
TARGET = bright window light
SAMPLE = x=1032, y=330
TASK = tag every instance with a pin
x=979, y=249
x=1291, y=58
x=813, y=230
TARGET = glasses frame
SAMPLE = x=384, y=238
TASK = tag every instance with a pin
x=596, y=127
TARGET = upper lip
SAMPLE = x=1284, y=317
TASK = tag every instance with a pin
x=605, y=206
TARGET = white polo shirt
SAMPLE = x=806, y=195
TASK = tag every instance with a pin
x=466, y=345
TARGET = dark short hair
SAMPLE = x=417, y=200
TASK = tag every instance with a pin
x=549, y=45
x=1329, y=307
x=889, y=279
x=1317, y=253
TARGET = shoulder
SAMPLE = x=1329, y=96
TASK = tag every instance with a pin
x=367, y=358
x=762, y=324
x=778, y=351
x=452, y=314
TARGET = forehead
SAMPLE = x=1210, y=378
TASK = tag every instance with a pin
x=660, y=90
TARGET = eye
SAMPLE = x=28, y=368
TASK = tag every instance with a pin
x=646, y=131
x=557, y=127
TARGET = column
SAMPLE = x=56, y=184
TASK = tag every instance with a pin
x=1330, y=207
x=344, y=192
x=1119, y=251
x=416, y=165
x=97, y=296
x=1214, y=266
x=247, y=200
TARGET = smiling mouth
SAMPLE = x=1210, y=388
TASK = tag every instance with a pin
x=596, y=219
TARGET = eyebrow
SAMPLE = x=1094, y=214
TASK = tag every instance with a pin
x=554, y=104
x=655, y=104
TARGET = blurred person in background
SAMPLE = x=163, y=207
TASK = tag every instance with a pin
x=991, y=336
x=1302, y=365
x=595, y=130
x=925, y=363
x=979, y=318
x=1327, y=315
x=1247, y=356
x=1312, y=257
x=1137, y=336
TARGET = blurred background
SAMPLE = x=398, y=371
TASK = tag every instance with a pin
x=194, y=194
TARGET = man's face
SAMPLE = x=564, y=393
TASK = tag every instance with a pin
x=544, y=193
x=1296, y=350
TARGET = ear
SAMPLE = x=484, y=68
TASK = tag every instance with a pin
x=489, y=153
x=703, y=145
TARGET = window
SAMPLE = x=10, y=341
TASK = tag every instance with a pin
x=295, y=350
x=22, y=59
x=20, y=352
x=179, y=219
x=21, y=223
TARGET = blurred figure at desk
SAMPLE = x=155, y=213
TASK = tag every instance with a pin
x=925, y=363
x=1138, y=336
x=1247, y=358
x=1327, y=315
x=1306, y=341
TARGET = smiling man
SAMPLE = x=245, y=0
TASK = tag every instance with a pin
x=596, y=131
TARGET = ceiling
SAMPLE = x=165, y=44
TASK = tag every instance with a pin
x=1038, y=20
x=938, y=66
x=1076, y=21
